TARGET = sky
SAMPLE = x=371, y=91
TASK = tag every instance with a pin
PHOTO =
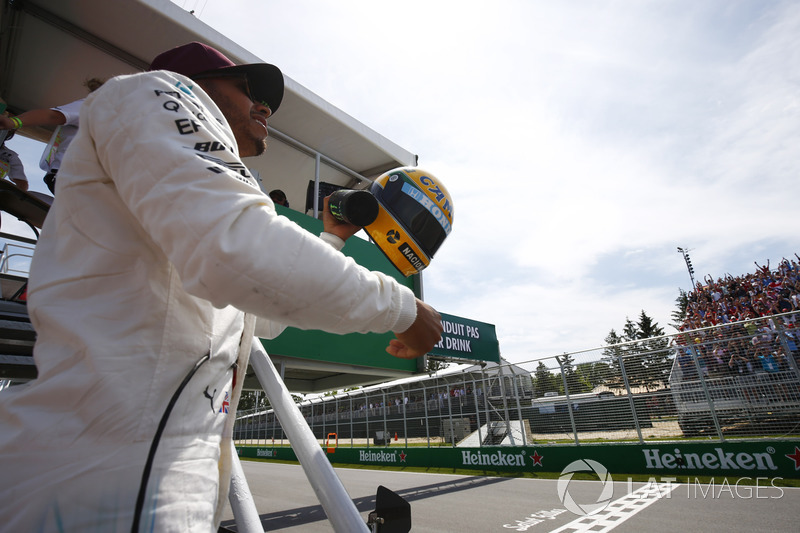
x=582, y=142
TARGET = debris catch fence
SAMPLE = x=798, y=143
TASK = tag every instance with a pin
x=731, y=381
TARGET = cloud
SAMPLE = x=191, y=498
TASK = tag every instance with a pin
x=623, y=148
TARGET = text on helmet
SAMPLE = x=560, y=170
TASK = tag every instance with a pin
x=428, y=204
x=432, y=187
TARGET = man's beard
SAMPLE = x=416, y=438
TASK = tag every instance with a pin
x=242, y=125
x=260, y=146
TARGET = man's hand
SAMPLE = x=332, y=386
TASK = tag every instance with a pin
x=6, y=123
x=421, y=337
x=343, y=230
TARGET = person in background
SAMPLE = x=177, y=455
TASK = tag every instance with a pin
x=279, y=197
x=65, y=118
x=10, y=165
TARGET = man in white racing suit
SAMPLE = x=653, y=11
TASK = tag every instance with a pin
x=151, y=267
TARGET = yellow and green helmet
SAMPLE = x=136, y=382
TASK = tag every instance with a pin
x=415, y=216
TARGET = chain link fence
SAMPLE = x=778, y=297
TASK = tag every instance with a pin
x=737, y=380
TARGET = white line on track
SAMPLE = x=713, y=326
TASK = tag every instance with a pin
x=619, y=510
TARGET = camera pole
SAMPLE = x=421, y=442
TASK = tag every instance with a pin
x=337, y=504
x=241, y=499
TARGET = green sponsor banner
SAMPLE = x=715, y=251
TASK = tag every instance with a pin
x=681, y=460
x=277, y=454
x=468, y=339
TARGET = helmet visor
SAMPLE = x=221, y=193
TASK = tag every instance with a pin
x=419, y=214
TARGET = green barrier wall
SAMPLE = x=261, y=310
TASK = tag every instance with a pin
x=741, y=459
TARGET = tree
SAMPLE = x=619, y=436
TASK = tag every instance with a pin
x=647, y=327
x=594, y=373
x=646, y=357
x=656, y=357
x=611, y=355
x=544, y=381
x=252, y=399
x=434, y=364
x=679, y=314
x=574, y=383
x=613, y=338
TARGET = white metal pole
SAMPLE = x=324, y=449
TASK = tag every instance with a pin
x=337, y=504
x=242, y=504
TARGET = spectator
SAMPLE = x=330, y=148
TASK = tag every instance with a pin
x=279, y=197
x=65, y=118
x=763, y=293
x=10, y=165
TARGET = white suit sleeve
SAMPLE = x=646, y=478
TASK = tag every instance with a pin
x=269, y=329
x=172, y=158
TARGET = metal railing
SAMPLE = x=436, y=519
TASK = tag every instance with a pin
x=16, y=254
x=737, y=380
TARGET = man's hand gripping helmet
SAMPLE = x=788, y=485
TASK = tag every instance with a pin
x=415, y=216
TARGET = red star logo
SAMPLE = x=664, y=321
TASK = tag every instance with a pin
x=403, y=457
x=795, y=457
x=537, y=459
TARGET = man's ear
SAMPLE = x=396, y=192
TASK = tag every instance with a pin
x=209, y=85
x=204, y=83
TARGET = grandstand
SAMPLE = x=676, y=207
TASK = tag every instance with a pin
x=730, y=299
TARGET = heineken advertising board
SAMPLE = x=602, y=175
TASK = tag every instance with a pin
x=764, y=459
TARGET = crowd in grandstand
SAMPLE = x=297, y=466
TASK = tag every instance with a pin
x=730, y=299
x=744, y=345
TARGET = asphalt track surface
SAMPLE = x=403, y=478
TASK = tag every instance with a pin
x=476, y=504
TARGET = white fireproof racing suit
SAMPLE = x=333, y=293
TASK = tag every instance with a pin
x=158, y=243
